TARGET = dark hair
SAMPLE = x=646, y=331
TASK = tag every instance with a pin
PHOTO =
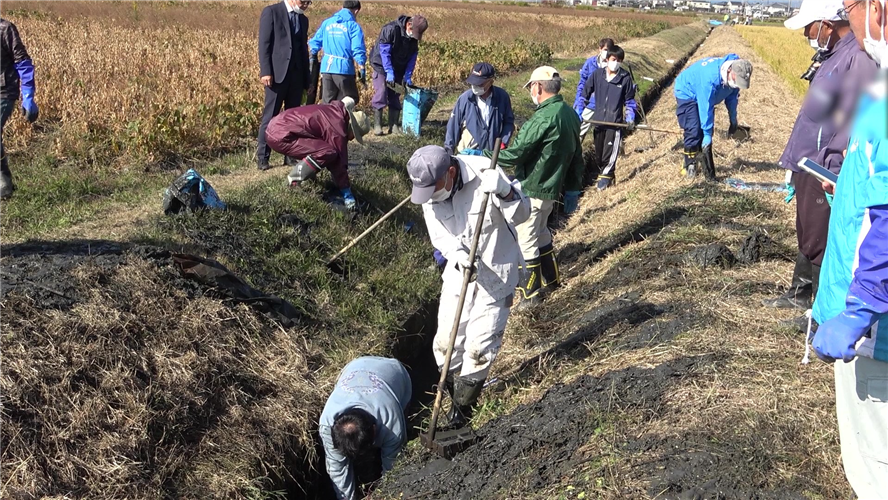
x=606, y=43
x=353, y=432
x=617, y=52
x=351, y=5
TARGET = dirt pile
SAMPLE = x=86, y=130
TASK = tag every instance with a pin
x=121, y=379
x=552, y=437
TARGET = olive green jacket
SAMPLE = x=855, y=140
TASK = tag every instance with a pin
x=546, y=154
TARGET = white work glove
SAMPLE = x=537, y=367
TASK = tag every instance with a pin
x=492, y=182
x=461, y=259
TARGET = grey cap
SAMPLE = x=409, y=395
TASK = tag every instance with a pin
x=426, y=166
x=742, y=70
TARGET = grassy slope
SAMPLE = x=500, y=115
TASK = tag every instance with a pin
x=769, y=419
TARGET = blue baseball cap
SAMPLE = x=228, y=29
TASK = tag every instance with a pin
x=481, y=72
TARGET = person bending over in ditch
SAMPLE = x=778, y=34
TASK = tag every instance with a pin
x=363, y=425
x=450, y=190
x=609, y=90
x=698, y=89
x=548, y=158
x=18, y=79
x=319, y=135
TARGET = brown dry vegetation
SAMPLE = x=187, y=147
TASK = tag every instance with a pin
x=157, y=81
x=142, y=390
x=769, y=419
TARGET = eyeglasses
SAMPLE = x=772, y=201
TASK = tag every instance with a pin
x=843, y=12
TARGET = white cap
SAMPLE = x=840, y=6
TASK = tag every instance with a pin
x=812, y=11
x=543, y=74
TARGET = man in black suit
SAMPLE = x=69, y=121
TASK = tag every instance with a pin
x=283, y=63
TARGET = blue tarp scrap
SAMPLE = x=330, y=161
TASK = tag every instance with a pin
x=190, y=192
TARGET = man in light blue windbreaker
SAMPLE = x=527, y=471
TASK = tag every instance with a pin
x=852, y=306
x=363, y=425
x=342, y=40
x=698, y=89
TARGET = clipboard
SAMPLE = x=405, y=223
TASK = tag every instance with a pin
x=822, y=174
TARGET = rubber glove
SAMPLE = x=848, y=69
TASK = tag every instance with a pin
x=492, y=182
x=348, y=198
x=571, y=201
x=25, y=69
x=790, y=193
x=579, y=109
x=707, y=139
x=440, y=261
x=389, y=77
x=836, y=339
x=408, y=82
x=472, y=152
x=630, y=126
x=829, y=198
x=363, y=76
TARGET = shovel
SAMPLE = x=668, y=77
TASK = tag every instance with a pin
x=449, y=443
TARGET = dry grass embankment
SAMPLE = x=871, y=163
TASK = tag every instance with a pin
x=786, y=51
x=157, y=81
x=747, y=417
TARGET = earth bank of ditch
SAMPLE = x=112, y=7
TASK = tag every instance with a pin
x=123, y=378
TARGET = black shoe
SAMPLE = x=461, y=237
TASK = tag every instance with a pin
x=263, y=164
x=795, y=298
x=799, y=324
x=290, y=161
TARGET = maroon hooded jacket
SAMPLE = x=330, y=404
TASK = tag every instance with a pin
x=319, y=130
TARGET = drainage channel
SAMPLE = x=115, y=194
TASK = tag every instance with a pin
x=412, y=346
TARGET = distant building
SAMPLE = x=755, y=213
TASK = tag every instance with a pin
x=700, y=5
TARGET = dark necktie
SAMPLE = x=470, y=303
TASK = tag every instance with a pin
x=294, y=23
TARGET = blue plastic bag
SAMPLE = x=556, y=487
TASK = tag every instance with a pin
x=190, y=192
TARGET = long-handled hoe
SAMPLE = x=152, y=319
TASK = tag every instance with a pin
x=449, y=443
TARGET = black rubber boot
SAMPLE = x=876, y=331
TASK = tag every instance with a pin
x=551, y=279
x=465, y=395
x=394, y=121
x=7, y=187
x=815, y=282
x=800, y=294
x=708, y=163
x=799, y=324
x=690, y=164
x=530, y=283
x=377, y=122
x=290, y=161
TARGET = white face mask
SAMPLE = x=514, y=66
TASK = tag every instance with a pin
x=814, y=44
x=478, y=90
x=534, y=98
x=877, y=49
x=442, y=194
x=613, y=66
x=603, y=55
x=733, y=84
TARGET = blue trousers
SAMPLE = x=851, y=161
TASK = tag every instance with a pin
x=689, y=120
